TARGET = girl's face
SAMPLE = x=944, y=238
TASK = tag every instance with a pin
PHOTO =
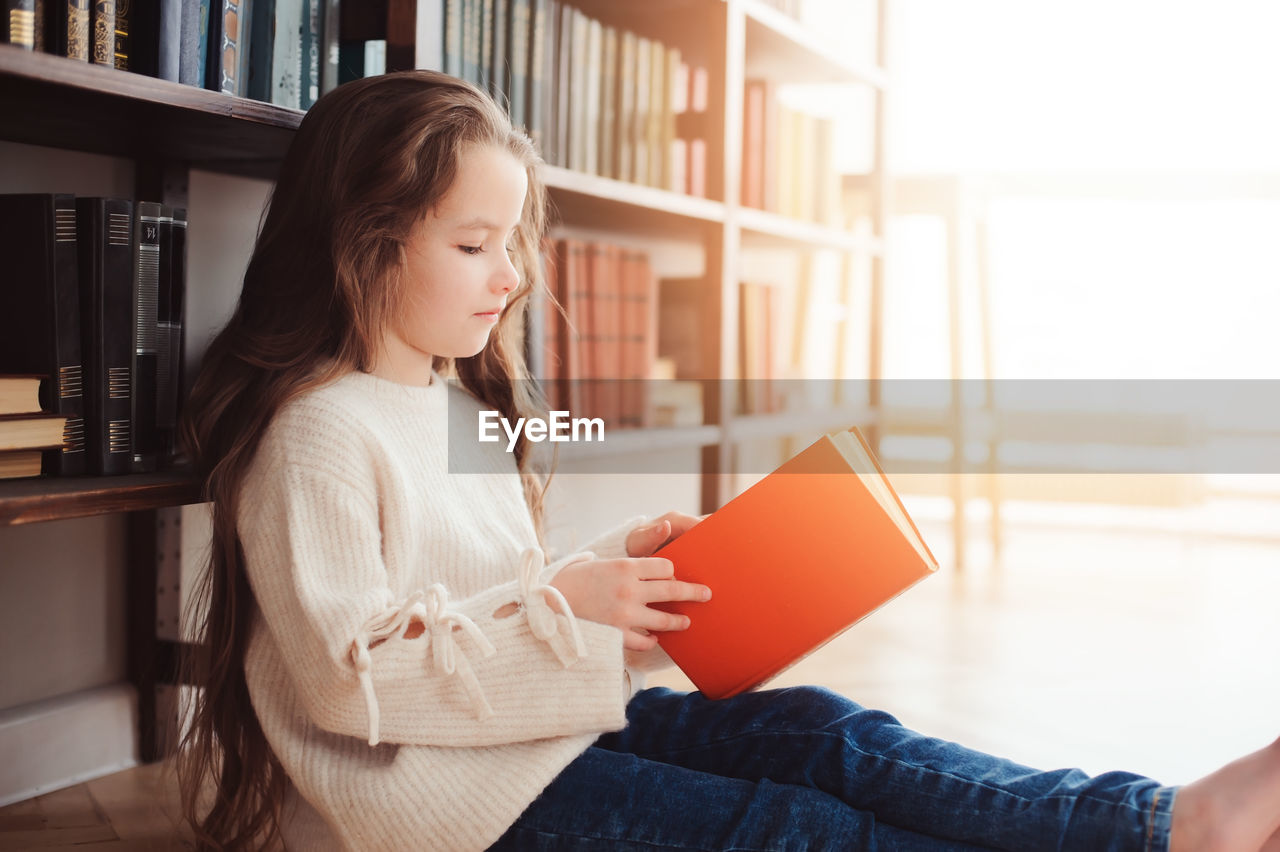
x=458, y=271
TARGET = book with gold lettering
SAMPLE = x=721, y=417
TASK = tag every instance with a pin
x=792, y=562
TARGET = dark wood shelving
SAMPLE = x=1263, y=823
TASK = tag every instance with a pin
x=59, y=102
x=29, y=501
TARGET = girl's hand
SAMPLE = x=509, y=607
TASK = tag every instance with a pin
x=618, y=592
x=646, y=541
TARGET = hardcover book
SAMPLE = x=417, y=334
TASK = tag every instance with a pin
x=146, y=354
x=105, y=242
x=19, y=394
x=792, y=562
x=40, y=312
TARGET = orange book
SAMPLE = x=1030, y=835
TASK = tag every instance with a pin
x=792, y=562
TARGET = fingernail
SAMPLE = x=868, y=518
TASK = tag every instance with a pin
x=706, y=594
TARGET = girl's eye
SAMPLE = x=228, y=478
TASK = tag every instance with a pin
x=471, y=249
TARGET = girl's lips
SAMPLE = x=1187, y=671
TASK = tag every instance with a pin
x=492, y=316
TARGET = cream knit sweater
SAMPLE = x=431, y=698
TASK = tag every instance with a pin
x=352, y=528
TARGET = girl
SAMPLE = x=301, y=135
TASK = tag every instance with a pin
x=390, y=662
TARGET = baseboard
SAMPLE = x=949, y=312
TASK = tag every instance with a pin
x=47, y=745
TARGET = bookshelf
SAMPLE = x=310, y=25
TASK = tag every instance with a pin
x=166, y=129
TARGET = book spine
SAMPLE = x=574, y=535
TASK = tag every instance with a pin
x=261, y=45
x=428, y=42
x=484, y=41
x=563, y=58
x=330, y=30
x=311, y=32
x=500, y=70
x=70, y=461
x=190, y=64
x=19, y=27
x=607, y=156
x=105, y=242
x=626, y=97
x=169, y=327
x=170, y=46
x=286, y=54
x=121, y=48
x=471, y=13
x=529, y=66
x=146, y=285
x=73, y=29
x=230, y=57
x=453, y=37
x=102, y=33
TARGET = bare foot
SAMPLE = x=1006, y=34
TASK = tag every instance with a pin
x=1235, y=809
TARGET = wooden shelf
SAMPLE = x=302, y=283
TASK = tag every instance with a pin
x=51, y=100
x=581, y=198
x=763, y=229
x=781, y=49
x=29, y=501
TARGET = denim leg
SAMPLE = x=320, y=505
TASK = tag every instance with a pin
x=813, y=737
x=608, y=800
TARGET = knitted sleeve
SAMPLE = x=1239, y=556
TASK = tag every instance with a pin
x=465, y=677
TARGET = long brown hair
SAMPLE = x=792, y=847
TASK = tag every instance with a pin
x=369, y=160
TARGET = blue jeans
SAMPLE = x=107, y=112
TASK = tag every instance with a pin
x=808, y=769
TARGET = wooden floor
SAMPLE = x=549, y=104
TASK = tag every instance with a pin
x=1105, y=650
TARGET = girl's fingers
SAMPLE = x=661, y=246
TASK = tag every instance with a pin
x=655, y=620
x=633, y=641
x=657, y=591
x=653, y=568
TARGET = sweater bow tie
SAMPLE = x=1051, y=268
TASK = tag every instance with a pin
x=545, y=622
x=431, y=608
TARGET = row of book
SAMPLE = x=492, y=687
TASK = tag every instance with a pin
x=98, y=316
x=595, y=98
x=281, y=51
x=595, y=358
x=788, y=158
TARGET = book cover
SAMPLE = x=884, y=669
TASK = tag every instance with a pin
x=146, y=294
x=792, y=562
x=40, y=317
x=104, y=228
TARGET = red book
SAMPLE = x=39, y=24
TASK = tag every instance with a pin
x=792, y=562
